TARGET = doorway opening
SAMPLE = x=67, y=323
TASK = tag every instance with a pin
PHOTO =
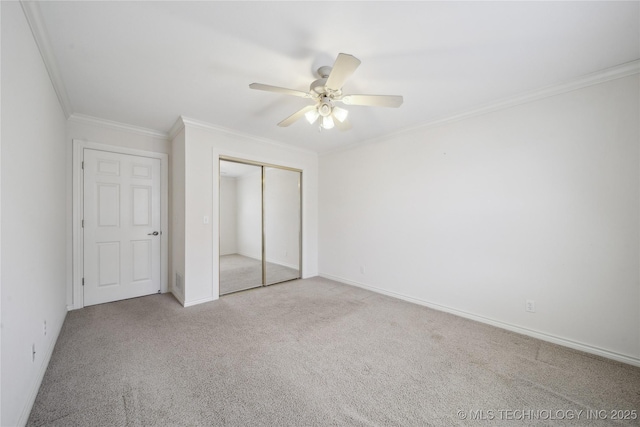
x=260, y=224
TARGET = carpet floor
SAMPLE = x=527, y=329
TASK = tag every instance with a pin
x=238, y=273
x=315, y=352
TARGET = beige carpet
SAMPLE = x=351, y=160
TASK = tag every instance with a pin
x=238, y=273
x=315, y=352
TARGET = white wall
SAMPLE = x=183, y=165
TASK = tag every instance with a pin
x=249, y=210
x=33, y=216
x=105, y=132
x=228, y=213
x=538, y=201
x=203, y=147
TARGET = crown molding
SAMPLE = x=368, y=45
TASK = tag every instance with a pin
x=176, y=128
x=185, y=121
x=592, y=79
x=34, y=19
x=110, y=124
x=608, y=74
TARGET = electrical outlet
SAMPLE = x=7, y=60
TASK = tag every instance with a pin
x=362, y=269
x=530, y=306
x=44, y=328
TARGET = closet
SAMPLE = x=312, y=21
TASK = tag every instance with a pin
x=260, y=224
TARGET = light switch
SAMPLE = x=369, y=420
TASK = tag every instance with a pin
x=206, y=220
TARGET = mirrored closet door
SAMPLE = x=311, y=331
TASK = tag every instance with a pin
x=240, y=226
x=260, y=225
x=281, y=224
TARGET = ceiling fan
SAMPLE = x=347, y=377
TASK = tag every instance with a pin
x=327, y=91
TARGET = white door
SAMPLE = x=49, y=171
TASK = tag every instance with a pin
x=121, y=226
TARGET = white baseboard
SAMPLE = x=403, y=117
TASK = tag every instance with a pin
x=258, y=257
x=177, y=295
x=35, y=386
x=199, y=301
x=283, y=264
x=497, y=323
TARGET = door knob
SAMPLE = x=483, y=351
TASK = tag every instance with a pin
x=155, y=233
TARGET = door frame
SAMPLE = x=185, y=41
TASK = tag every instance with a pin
x=78, y=203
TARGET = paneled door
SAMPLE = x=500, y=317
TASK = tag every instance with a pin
x=121, y=226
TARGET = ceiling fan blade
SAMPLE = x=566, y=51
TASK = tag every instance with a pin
x=342, y=125
x=276, y=89
x=342, y=69
x=373, y=100
x=295, y=116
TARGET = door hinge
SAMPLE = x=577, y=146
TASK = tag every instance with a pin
x=83, y=223
x=83, y=281
x=83, y=164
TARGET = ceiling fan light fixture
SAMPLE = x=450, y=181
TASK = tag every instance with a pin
x=325, y=107
x=326, y=91
x=312, y=116
x=340, y=114
x=327, y=122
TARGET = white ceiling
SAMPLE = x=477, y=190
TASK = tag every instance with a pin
x=147, y=63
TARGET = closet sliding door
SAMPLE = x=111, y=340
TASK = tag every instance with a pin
x=240, y=227
x=260, y=225
x=281, y=201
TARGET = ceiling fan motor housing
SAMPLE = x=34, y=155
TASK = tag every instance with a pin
x=318, y=86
